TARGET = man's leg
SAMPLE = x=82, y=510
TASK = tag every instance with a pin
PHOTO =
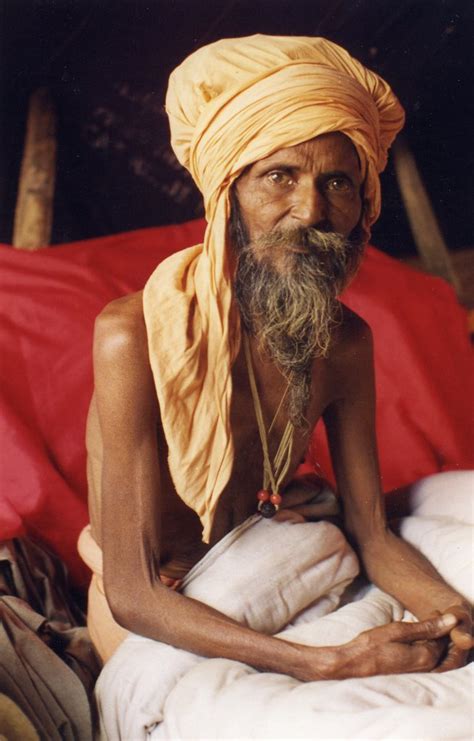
x=262, y=574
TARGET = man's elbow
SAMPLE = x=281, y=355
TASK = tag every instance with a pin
x=124, y=603
x=137, y=604
x=120, y=603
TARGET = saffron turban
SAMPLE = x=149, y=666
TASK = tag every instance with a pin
x=230, y=104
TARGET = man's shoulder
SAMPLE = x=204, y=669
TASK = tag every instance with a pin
x=352, y=338
x=120, y=326
x=350, y=361
x=124, y=310
x=353, y=327
x=353, y=324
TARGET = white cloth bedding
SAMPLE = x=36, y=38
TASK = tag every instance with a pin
x=152, y=691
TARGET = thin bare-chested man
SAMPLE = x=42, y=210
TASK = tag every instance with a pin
x=297, y=228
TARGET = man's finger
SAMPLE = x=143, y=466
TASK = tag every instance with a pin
x=462, y=638
x=429, y=654
x=424, y=631
x=461, y=635
x=455, y=657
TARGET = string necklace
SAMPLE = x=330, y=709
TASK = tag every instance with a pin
x=269, y=497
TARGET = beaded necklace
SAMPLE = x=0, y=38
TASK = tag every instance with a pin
x=269, y=497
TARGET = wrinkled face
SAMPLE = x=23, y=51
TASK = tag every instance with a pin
x=316, y=183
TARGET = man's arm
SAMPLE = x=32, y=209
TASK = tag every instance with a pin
x=391, y=563
x=128, y=414
x=130, y=537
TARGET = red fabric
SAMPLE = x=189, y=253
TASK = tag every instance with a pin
x=424, y=372
x=48, y=303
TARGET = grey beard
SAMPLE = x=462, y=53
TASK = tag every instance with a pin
x=293, y=311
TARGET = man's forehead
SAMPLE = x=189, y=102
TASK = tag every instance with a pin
x=332, y=148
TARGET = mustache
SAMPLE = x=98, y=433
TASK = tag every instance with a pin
x=332, y=258
x=305, y=238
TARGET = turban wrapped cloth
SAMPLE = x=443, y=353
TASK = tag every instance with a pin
x=230, y=104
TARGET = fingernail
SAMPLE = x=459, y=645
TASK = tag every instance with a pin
x=447, y=621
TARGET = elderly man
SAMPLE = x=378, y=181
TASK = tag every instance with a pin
x=208, y=386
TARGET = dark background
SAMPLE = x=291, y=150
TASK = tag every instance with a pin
x=107, y=63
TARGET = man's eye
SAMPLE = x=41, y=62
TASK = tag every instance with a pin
x=339, y=185
x=278, y=177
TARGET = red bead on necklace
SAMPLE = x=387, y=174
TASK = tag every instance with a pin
x=268, y=504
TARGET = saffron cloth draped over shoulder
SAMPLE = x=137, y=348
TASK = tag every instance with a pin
x=230, y=104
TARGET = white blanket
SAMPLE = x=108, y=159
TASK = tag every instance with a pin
x=152, y=691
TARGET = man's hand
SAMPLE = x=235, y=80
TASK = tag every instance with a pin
x=461, y=639
x=396, y=648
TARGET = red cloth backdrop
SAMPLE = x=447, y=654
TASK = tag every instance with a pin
x=48, y=303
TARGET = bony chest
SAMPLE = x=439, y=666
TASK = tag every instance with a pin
x=276, y=433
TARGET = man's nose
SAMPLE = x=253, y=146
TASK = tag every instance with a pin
x=309, y=206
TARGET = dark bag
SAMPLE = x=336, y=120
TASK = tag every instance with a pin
x=48, y=666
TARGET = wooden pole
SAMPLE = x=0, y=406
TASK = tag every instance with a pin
x=34, y=206
x=424, y=225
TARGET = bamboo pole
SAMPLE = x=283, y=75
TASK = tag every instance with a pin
x=34, y=206
x=423, y=222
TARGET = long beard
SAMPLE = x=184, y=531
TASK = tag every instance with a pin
x=293, y=309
